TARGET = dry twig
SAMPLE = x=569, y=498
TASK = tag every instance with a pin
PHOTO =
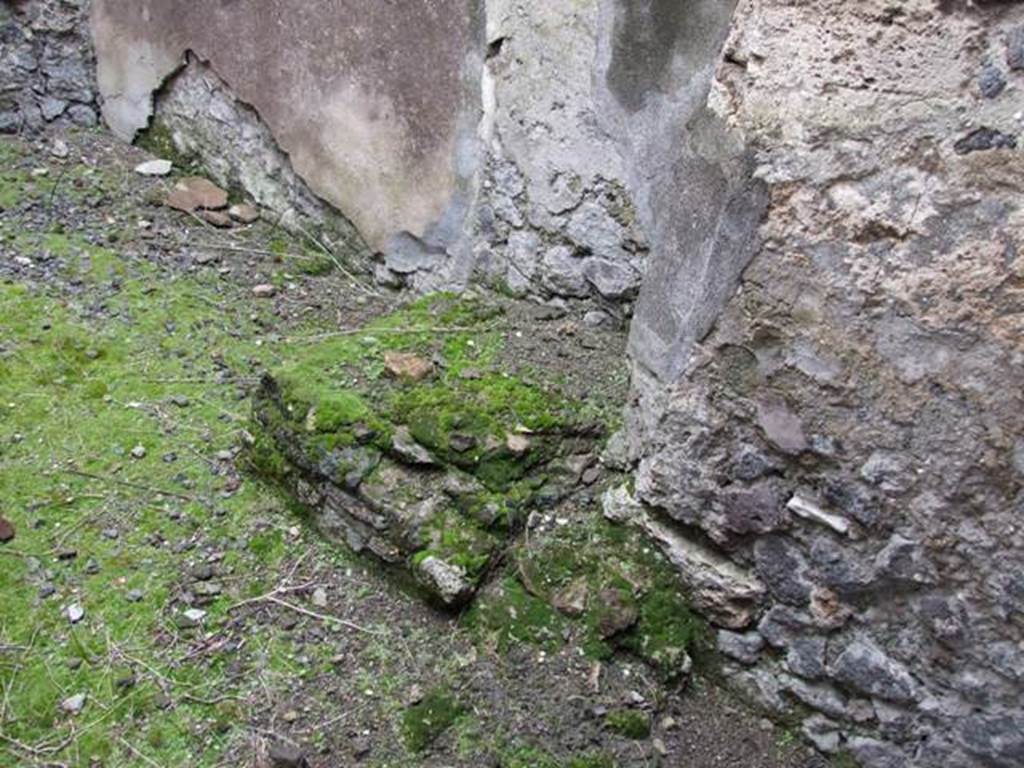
x=130, y=484
x=383, y=332
x=273, y=596
x=322, y=616
x=146, y=759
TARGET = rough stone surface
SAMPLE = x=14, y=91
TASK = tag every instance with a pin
x=433, y=512
x=445, y=580
x=553, y=217
x=47, y=62
x=405, y=365
x=726, y=593
x=867, y=367
x=745, y=647
x=244, y=213
x=154, y=168
x=866, y=668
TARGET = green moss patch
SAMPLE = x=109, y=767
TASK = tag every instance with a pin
x=424, y=722
x=465, y=445
x=460, y=541
x=605, y=581
x=509, y=614
x=14, y=179
x=628, y=723
x=531, y=757
x=592, y=761
x=158, y=140
x=80, y=387
x=464, y=413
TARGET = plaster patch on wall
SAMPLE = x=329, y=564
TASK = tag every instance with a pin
x=370, y=110
x=204, y=119
x=353, y=149
x=128, y=80
x=691, y=177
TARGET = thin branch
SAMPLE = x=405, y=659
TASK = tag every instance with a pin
x=323, y=617
x=273, y=593
x=40, y=750
x=130, y=484
x=369, y=291
x=148, y=760
x=321, y=727
x=59, y=541
x=245, y=249
x=19, y=553
x=56, y=184
x=272, y=597
x=384, y=331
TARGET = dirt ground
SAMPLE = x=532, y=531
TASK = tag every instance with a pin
x=216, y=627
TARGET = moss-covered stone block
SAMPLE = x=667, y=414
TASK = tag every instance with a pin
x=608, y=586
x=433, y=471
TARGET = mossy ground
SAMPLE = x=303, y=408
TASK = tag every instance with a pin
x=78, y=398
x=115, y=336
x=426, y=720
x=629, y=723
x=121, y=405
x=529, y=757
x=610, y=569
x=13, y=180
x=86, y=378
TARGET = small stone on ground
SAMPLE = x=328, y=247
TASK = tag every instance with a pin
x=215, y=219
x=193, y=193
x=287, y=756
x=73, y=705
x=154, y=168
x=405, y=365
x=244, y=213
x=6, y=530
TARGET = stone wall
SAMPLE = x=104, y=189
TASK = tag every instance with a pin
x=47, y=63
x=849, y=432
x=493, y=163
x=554, y=219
